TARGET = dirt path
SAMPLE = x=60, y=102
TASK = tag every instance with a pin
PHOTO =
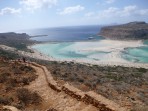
x=57, y=100
x=10, y=108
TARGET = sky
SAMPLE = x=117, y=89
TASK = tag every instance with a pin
x=30, y=14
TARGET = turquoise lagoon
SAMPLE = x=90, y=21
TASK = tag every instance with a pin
x=71, y=50
x=82, y=50
x=138, y=54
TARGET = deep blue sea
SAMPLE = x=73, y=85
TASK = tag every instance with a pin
x=70, y=44
x=69, y=33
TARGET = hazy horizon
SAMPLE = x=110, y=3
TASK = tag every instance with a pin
x=55, y=27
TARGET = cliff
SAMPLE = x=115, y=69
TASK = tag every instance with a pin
x=129, y=31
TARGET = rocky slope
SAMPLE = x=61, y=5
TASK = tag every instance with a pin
x=19, y=41
x=14, y=77
x=130, y=31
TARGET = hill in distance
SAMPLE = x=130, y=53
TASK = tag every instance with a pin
x=129, y=31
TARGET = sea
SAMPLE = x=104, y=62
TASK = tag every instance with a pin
x=69, y=43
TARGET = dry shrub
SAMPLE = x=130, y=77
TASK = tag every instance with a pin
x=26, y=69
x=5, y=100
x=4, y=77
x=27, y=97
x=140, y=108
x=51, y=109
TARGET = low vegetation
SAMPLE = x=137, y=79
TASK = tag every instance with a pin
x=27, y=97
x=8, y=54
x=124, y=85
x=13, y=77
x=18, y=41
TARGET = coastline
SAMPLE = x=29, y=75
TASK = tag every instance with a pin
x=114, y=58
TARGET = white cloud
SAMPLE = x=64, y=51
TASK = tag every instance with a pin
x=37, y=4
x=89, y=14
x=9, y=10
x=143, y=12
x=114, y=14
x=110, y=1
x=73, y=9
x=111, y=10
x=127, y=11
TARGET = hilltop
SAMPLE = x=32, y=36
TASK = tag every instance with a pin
x=129, y=31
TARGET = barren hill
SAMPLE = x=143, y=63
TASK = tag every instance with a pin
x=43, y=93
x=130, y=31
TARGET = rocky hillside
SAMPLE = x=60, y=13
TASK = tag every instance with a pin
x=16, y=40
x=14, y=79
x=130, y=31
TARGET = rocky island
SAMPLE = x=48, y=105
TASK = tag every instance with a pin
x=129, y=31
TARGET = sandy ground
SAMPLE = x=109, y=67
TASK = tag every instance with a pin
x=10, y=108
x=114, y=47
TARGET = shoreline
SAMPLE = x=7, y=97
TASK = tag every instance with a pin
x=113, y=62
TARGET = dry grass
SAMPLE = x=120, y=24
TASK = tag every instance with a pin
x=13, y=77
x=120, y=84
x=27, y=97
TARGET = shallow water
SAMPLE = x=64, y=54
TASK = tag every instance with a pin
x=139, y=54
x=70, y=50
x=85, y=51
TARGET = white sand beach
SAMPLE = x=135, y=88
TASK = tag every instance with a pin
x=112, y=59
x=114, y=47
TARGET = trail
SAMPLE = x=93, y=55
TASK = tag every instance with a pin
x=67, y=97
x=10, y=108
x=59, y=101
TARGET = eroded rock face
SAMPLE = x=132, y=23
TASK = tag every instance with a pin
x=130, y=31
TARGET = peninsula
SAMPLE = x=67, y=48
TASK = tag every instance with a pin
x=129, y=31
